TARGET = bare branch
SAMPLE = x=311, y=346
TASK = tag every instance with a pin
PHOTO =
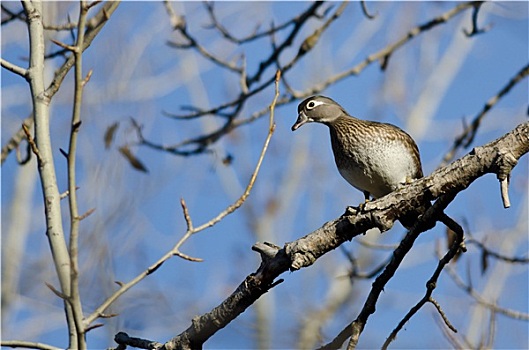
x=16, y=139
x=87, y=214
x=179, y=24
x=27, y=345
x=475, y=28
x=202, y=142
x=286, y=43
x=430, y=286
x=187, y=218
x=253, y=36
x=467, y=287
x=31, y=141
x=442, y=314
x=384, y=54
x=191, y=230
x=124, y=339
x=467, y=136
x=366, y=12
x=12, y=15
x=64, y=46
x=94, y=26
x=504, y=189
x=14, y=68
x=242, y=199
x=311, y=41
x=444, y=184
x=501, y=257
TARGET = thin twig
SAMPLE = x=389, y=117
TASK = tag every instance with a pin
x=376, y=245
x=64, y=46
x=14, y=68
x=442, y=314
x=366, y=12
x=187, y=218
x=86, y=214
x=430, y=286
x=254, y=36
x=381, y=213
x=179, y=24
x=175, y=250
x=201, y=142
x=230, y=209
x=94, y=26
x=467, y=136
x=355, y=328
x=12, y=15
x=31, y=141
x=501, y=257
x=457, y=342
x=481, y=300
x=75, y=219
x=475, y=28
x=27, y=345
x=123, y=338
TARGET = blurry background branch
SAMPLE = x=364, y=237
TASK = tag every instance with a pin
x=465, y=139
x=413, y=66
x=93, y=27
x=231, y=111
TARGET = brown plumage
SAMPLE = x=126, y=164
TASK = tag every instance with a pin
x=376, y=158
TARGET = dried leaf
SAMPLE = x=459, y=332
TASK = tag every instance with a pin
x=133, y=160
x=228, y=160
x=109, y=134
x=484, y=261
x=451, y=237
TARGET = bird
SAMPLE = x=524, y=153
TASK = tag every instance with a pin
x=375, y=158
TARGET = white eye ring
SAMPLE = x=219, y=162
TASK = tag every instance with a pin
x=313, y=104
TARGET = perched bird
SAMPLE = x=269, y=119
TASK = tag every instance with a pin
x=376, y=158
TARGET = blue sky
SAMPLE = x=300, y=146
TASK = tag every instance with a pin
x=431, y=85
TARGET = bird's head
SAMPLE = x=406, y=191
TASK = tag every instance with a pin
x=319, y=109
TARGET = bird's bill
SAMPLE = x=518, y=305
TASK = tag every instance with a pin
x=302, y=119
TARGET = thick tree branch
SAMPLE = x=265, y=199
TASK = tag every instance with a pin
x=426, y=222
x=50, y=191
x=446, y=183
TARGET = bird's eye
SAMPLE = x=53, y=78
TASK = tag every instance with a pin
x=311, y=105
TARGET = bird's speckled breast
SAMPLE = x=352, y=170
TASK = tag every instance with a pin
x=374, y=157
